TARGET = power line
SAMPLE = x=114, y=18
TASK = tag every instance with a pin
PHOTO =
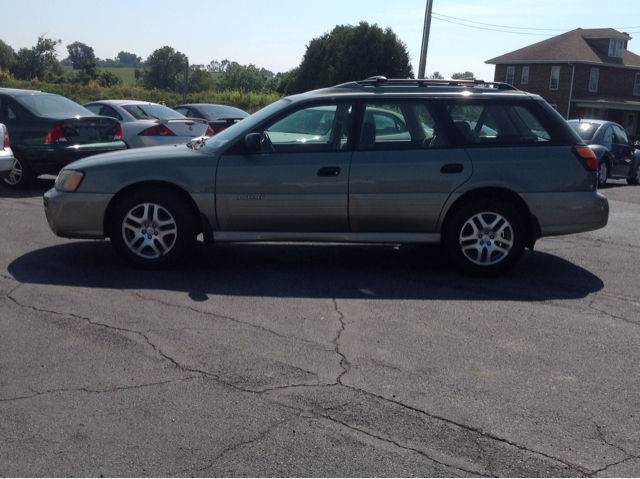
x=440, y=16
x=491, y=29
x=503, y=26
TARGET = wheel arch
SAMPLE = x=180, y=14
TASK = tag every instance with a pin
x=531, y=224
x=154, y=185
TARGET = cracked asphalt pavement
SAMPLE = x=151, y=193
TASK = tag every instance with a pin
x=318, y=360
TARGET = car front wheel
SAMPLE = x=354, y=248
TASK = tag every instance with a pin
x=484, y=238
x=153, y=229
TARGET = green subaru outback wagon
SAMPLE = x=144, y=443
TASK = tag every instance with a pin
x=482, y=169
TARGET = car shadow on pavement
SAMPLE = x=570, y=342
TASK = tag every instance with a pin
x=415, y=272
x=38, y=188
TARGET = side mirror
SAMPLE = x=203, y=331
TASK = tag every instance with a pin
x=252, y=142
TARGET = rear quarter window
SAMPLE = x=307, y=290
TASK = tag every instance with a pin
x=486, y=123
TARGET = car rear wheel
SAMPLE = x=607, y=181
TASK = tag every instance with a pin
x=634, y=179
x=20, y=176
x=485, y=237
x=603, y=172
x=153, y=229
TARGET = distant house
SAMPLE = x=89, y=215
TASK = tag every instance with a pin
x=582, y=73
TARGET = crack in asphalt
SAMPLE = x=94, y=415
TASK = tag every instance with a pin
x=344, y=364
x=96, y=391
x=611, y=315
x=241, y=444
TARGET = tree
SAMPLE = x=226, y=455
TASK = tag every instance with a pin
x=108, y=80
x=87, y=73
x=78, y=53
x=243, y=78
x=34, y=62
x=199, y=80
x=165, y=66
x=7, y=56
x=129, y=59
x=351, y=53
x=460, y=76
x=436, y=76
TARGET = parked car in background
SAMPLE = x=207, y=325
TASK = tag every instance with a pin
x=150, y=124
x=6, y=155
x=50, y=131
x=617, y=157
x=337, y=165
x=220, y=117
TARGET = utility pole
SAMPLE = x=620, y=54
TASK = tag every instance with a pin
x=185, y=83
x=425, y=40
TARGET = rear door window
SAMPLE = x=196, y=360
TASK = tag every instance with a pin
x=402, y=125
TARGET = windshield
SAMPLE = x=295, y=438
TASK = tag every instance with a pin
x=247, y=125
x=585, y=129
x=52, y=106
x=152, y=111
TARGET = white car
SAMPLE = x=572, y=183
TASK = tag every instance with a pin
x=150, y=124
x=6, y=155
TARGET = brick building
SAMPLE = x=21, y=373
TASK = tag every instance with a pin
x=582, y=73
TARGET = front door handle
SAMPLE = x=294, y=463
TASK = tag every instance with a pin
x=329, y=171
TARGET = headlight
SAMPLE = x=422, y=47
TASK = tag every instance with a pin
x=69, y=180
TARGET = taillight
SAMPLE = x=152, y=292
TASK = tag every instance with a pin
x=6, y=138
x=222, y=128
x=587, y=157
x=118, y=135
x=209, y=131
x=55, y=135
x=158, y=130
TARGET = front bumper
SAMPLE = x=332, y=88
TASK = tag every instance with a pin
x=76, y=215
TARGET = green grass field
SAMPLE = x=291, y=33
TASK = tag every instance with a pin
x=127, y=75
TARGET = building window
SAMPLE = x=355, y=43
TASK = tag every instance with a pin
x=636, y=88
x=511, y=72
x=555, y=78
x=593, y=79
x=525, y=75
x=616, y=48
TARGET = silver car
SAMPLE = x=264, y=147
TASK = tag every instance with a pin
x=482, y=170
x=150, y=124
x=6, y=155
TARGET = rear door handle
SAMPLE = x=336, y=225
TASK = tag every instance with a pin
x=452, y=168
x=329, y=171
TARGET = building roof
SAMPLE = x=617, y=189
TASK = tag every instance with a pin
x=579, y=45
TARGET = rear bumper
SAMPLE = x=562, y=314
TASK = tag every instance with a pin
x=568, y=213
x=6, y=162
x=51, y=159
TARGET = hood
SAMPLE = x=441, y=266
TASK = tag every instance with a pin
x=137, y=155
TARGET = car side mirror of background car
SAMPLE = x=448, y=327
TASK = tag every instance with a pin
x=252, y=142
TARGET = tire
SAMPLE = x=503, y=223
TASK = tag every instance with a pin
x=153, y=228
x=21, y=175
x=484, y=237
x=603, y=173
x=634, y=179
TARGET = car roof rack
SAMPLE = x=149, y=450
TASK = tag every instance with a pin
x=464, y=82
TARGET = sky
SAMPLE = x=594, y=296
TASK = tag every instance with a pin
x=274, y=34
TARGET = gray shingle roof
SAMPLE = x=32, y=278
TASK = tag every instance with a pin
x=576, y=45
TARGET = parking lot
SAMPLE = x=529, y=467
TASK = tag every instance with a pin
x=319, y=360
